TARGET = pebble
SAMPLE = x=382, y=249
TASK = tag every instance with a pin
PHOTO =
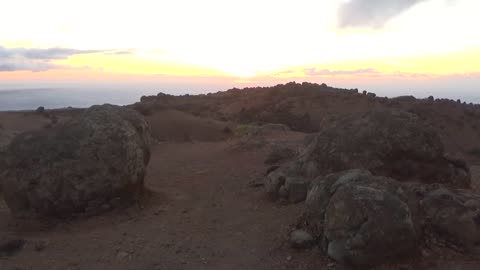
x=301, y=239
x=122, y=254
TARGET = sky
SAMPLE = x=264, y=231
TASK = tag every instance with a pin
x=417, y=46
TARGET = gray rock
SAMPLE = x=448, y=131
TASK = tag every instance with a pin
x=320, y=192
x=365, y=225
x=359, y=218
x=273, y=182
x=363, y=219
x=453, y=217
x=301, y=239
x=79, y=165
x=280, y=186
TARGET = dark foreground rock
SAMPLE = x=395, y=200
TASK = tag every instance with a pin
x=78, y=166
x=362, y=219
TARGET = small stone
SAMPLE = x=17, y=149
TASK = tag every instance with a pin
x=425, y=253
x=122, y=255
x=301, y=239
x=289, y=258
x=40, y=246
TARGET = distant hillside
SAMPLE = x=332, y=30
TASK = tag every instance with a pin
x=306, y=107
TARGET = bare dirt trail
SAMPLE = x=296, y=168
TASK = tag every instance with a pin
x=201, y=215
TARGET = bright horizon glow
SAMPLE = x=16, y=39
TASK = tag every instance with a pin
x=230, y=43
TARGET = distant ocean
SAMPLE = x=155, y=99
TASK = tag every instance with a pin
x=30, y=99
x=53, y=98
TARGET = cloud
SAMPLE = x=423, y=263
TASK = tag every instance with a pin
x=327, y=72
x=119, y=52
x=283, y=72
x=41, y=54
x=31, y=66
x=371, y=13
x=22, y=59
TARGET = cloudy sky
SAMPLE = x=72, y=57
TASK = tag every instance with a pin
x=380, y=44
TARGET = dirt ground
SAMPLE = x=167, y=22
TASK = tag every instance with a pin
x=201, y=213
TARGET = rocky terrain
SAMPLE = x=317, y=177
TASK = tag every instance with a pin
x=295, y=176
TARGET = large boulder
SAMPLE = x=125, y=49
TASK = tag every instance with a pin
x=77, y=166
x=368, y=224
x=360, y=218
x=390, y=143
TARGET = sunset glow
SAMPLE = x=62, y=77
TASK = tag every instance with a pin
x=237, y=41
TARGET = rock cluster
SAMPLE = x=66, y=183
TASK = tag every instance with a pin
x=77, y=166
x=378, y=185
x=362, y=219
x=389, y=143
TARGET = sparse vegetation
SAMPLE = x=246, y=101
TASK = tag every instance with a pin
x=243, y=130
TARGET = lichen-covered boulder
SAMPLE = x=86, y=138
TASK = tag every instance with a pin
x=77, y=166
x=366, y=225
x=320, y=193
x=359, y=218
